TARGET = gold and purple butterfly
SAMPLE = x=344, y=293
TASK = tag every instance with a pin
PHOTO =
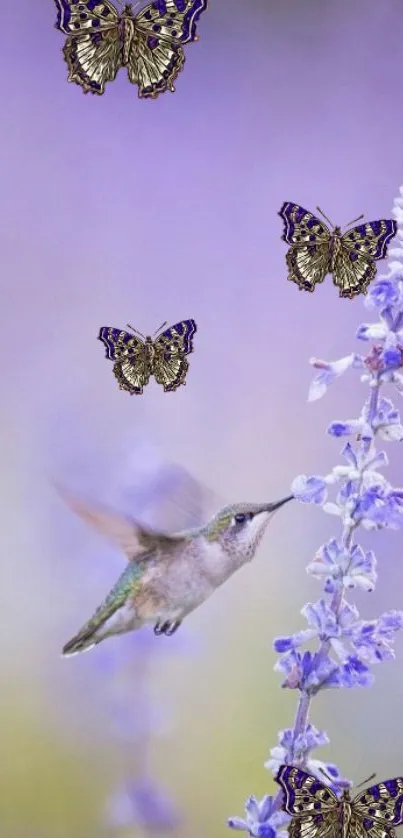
x=317, y=812
x=149, y=44
x=316, y=251
x=137, y=357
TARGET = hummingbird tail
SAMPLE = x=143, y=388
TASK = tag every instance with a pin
x=111, y=617
x=81, y=642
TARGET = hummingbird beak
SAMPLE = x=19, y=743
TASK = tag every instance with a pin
x=272, y=507
x=253, y=529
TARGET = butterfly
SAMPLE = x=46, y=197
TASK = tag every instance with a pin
x=316, y=811
x=100, y=40
x=136, y=359
x=316, y=251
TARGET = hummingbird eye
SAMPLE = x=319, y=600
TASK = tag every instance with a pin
x=242, y=517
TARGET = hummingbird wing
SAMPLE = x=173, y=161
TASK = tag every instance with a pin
x=128, y=584
x=133, y=538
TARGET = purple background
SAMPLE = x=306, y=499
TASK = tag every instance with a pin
x=117, y=210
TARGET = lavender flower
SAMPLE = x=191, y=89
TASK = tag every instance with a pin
x=165, y=497
x=263, y=819
x=141, y=803
x=347, y=645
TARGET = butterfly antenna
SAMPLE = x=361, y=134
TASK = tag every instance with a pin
x=322, y=770
x=161, y=327
x=372, y=775
x=325, y=216
x=353, y=222
x=136, y=331
x=133, y=6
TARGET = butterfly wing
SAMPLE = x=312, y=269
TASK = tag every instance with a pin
x=316, y=826
x=378, y=809
x=154, y=65
x=371, y=239
x=359, y=828
x=173, y=20
x=156, y=56
x=307, y=265
x=312, y=805
x=352, y=272
x=308, y=257
x=93, y=49
x=170, y=364
x=354, y=266
x=304, y=794
x=131, y=368
x=76, y=16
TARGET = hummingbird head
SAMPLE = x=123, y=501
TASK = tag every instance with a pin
x=240, y=528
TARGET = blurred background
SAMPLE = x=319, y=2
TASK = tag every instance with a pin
x=116, y=210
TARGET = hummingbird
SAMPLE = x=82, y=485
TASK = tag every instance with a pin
x=168, y=576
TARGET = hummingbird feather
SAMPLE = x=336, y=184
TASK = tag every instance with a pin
x=218, y=524
x=128, y=584
x=169, y=576
x=133, y=538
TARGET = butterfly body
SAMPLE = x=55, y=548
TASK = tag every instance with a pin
x=127, y=33
x=316, y=251
x=345, y=813
x=317, y=812
x=334, y=249
x=135, y=360
x=148, y=44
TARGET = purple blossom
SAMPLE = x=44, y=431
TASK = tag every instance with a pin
x=355, y=673
x=346, y=428
x=263, y=818
x=313, y=672
x=309, y=672
x=392, y=357
x=329, y=371
x=143, y=804
x=343, y=633
x=386, y=421
x=291, y=747
x=372, y=331
x=365, y=496
x=381, y=506
x=338, y=565
x=309, y=489
x=383, y=294
x=347, y=647
x=373, y=639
